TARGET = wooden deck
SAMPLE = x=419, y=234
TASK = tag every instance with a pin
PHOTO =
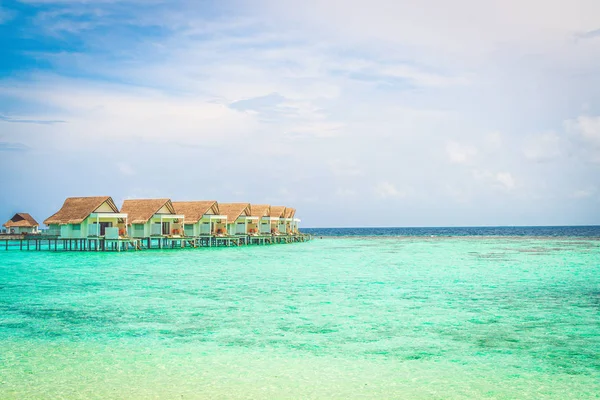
x=55, y=243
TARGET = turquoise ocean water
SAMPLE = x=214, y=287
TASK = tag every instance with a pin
x=339, y=317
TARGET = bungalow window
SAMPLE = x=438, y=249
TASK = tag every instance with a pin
x=138, y=229
x=76, y=227
x=156, y=228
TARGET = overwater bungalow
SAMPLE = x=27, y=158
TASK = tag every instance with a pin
x=296, y=226
x=21, y=223
x=88, y=217
x=263, y=213
x=289, y=220
x=239, y=216
x=153, y=218
x=201, y=218
x=96, y=224
x=278, y=214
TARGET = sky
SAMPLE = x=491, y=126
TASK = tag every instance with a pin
x=357, y=113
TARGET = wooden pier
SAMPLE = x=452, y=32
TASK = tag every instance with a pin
x=56, y=243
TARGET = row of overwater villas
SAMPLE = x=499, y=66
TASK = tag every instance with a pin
x=89, y=217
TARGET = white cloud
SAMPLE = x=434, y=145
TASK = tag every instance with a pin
x=585, y=132
x=506, y=180
x=494, y=140
x=586, y=127
x=92, y=112
x=13, y=146
x=502, y=180
x=459, y=153
x=387, y=190
x=420, y=77
x=543, y=147
x=383, y=69
x=468, y=27
x=319, y=129
x=345, y=192
x=345, y=168
x=125, y=169
x=583, y=193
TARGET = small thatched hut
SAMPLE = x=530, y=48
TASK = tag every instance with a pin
x=238, y=216
x=22, y=223
x=201, y=217
x=278, y=219
x=83, y=217
x=153, y=217
x=263, y=213
x=289, y=220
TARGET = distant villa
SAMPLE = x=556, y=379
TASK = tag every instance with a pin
x=95, y=223
x=22, y=223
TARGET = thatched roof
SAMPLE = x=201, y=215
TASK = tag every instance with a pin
x=22, y=220
x=139, y=211
x=77, y=209
x=278, y=211
x=234, y=210
x=290, y=212
x=193, y=211
x=260, y=210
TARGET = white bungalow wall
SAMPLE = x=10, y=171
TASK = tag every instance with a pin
x=265, y=226
x=205, y=226
x=241, y=227
x=139, y=230
x=156, y=228
x=74, y=231
x=231, y=229
x=104, y=208
x=191, y=229
x=237, y=228
x=88, y=228
x=164, y=210
x=54, y=229
x=22, y=229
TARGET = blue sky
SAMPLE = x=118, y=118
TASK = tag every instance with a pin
x=374, y=113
